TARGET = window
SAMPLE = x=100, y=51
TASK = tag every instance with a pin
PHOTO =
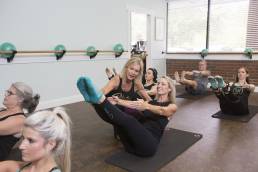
x=252, y=27
x=187, y=21
x=232, y=25
x=138, y=27
x=228, y=25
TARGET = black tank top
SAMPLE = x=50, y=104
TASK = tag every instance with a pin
x=149, y=88
x=126, y=95
x=155, y=123
x=54, y=169
x=8, y=141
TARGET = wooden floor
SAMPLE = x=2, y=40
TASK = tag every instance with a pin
x=226, y=146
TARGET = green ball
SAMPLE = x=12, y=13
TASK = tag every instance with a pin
x=60, y=47
x=249, y=52
x=118, y=49
x=91, y=51
x=59, y=55
x=7, y=47
x=204, y=53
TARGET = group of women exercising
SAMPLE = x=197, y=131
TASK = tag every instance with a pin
x=139, y=113
x=137, y=121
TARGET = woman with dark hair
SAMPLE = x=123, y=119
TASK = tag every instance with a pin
x=150, y=85
x=140, y=133
x=233, y=97
x=18, y=97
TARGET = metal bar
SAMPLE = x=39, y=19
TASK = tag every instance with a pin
x=55, y=51
x=214, y=52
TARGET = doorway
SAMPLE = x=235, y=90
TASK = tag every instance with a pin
x=140, y=37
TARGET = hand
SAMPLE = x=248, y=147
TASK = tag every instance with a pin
x=113, y=100
x=140, y=104
x=246, y=86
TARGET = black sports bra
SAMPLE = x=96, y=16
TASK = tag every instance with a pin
x=5, y=117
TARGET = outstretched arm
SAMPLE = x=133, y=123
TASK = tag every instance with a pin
x=205, y=73
x=152, y=91
x=144, y=105
x=190, y=73
x=113, y=83
x=251, y=87
x=166, y=111
x=142, y=91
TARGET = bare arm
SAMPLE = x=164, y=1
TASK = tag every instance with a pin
x=189, y=73
x=11, y=125
x=10, y=166
x=144, y=105
x=141, y=91
x=251, y=87
x=152, y=91
x=205, y=73
x=166, y=111
x=113, y=83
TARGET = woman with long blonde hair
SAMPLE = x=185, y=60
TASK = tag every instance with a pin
x=146, y=125
x=46, y=144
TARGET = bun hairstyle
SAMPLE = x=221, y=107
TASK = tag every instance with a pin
x=54, y=125
x=155, y=74
x=25, y=92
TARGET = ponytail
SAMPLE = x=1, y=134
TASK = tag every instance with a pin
x=65, y=153
x=54, y=125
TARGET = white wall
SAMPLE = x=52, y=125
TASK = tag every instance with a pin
x=41, y=25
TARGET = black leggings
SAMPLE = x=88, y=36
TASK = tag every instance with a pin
x=133, y=135
x=234, y=104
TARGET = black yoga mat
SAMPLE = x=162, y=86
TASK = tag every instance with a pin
x=253, y=110
x=173, y=143
x=186, y=95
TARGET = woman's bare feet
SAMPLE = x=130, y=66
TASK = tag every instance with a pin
x=182, y=76
x=177, y=78
x=109, y=73
x=114, y=70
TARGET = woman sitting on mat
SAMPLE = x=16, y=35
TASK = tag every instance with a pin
x=46, y=144
x=140, y=133
x=125, y=85
x=233, y=97
x=17, y=98
x=198, y=84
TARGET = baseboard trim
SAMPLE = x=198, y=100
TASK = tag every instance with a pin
x=59, y=102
